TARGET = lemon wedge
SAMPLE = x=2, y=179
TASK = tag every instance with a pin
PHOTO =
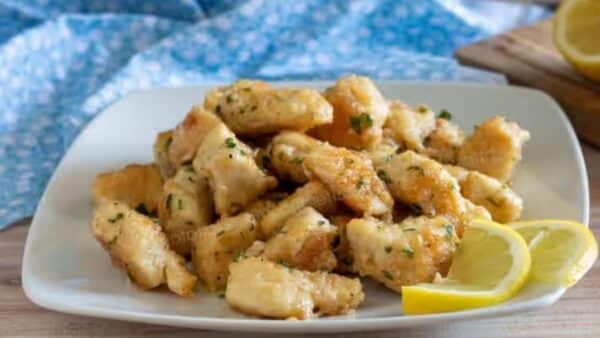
x=491, y=265
x=561, y=251
x=577, y=35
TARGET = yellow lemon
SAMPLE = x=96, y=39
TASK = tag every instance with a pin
x=577, y=35
x=490, y=266
x=561, y=251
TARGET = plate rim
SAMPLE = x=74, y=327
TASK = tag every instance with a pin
x=343, y=324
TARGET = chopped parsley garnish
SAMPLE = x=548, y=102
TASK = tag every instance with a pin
x=283, y=263
x=422, y=109
x=116, y=218
x=348, y=160
x=229, y=142
x=229, y=98
x=361, y=122
x=141, y=208
x=180, y=203
x=321, y=222
x=168, y=202
x=242, y=152
x=408, y=252
x=388, y=274
x=220, y=233
x=417, y=169
x=221, y=294
x=361, y=182
x=384, y=176
x=189, y=169
x=449, y=230
x=113, y=240
x=446, y=115
x=409, y=229
x=238, y=257
x=388, y=249
x=297, y=160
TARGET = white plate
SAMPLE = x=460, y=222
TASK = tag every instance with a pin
x=64, y=269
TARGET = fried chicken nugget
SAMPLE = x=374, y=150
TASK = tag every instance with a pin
x=138, y=245
x=137, y=185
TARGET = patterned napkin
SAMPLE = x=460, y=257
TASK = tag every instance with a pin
x=63, y=61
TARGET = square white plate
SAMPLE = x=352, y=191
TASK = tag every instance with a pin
x=64, y=269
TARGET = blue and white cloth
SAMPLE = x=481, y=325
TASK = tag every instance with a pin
x=62, y=61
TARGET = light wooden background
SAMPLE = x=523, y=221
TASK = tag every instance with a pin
x=577, y=314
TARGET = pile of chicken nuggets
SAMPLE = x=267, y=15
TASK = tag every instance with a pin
x=279, y=199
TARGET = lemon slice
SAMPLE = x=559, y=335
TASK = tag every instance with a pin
x=490, y=266
x=577, y=35
x=561, y=251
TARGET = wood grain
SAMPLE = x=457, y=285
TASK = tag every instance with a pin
x=527, y=57
x=577, y=314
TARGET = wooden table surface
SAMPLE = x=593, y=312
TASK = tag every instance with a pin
x=577, y=314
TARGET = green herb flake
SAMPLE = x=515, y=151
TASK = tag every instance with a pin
x=417, y=169
x=168, y=202
x=220, y=233
x=229, y=142
x=229, y=98
x=283, y=263
x=221, y=294
x=409, y=229
x=361, y=122
x=238, y=256
x=388, y=249
x=243, y=153
x=422, y=109
x=297, y=160
x=382, y=174
x=321, y=222
x=141, y=208
x=388, y=274
x=116, y=218
x=408, y=252
x=180, y=204
x=446, y=115
x=113, y=240
x=361, y=183
x=449, y=231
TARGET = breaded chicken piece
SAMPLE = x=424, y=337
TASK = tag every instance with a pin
x=359, y=112
x=139, y=247
x=425, y=186
x=217, y=245
x=137, y=185
x=350, y=176
x=261, y=207
x=411, y=252
x=280, y=292
x=409, y=127
x=186, y=205
x=233, y=175
x=304, y=242
x=161, y=153
x=494, y=148
x=312, y=194
x=500, y=200
x=189, y=135
x=443, y=143
x=287, y=152
x=254, y=107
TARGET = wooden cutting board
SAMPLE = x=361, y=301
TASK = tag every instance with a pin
x=527, y=57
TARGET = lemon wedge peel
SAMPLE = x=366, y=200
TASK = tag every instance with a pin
x=441, y=297
x=576, y=262
x=576, y=34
